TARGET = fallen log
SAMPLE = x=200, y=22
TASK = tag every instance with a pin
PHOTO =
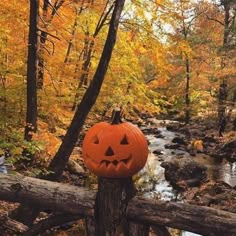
x=197, y=219
x=80, y=201
x=47, y=194
x=48, y=223
x=7, y=224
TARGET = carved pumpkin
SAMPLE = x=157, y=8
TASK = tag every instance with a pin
x=114, y=150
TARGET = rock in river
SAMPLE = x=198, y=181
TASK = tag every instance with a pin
x=183, y=173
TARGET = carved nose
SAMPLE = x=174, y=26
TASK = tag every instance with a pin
x=109, y=152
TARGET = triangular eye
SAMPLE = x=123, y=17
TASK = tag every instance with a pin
x=109, y=152
x=124, y=141
x=95, y=140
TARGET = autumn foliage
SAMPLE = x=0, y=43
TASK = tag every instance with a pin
x=147, y=72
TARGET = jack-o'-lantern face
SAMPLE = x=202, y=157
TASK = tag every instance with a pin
x=115, y=151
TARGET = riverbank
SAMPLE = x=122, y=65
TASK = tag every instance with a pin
x=201, y=141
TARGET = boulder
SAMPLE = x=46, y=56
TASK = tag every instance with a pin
x=209, y=139
x=172, y=127
x=172, y=146
x=75, y=168
x=183, y=173
x=229, y=146
x=179, y=140
x=227, y=150
x=158, y=152
x=151, y=130
x=159, y=136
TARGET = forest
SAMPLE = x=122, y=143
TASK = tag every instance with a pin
x=166, y=66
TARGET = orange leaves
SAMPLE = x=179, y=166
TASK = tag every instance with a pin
x=161, y=82
x=196, y=145
x=160, y=3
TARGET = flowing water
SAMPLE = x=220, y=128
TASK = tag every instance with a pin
x=151, y=181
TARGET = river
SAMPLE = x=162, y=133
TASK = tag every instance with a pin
x=151, y=182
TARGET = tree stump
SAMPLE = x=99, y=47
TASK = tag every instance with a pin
x=138, y=229
x=110, y=208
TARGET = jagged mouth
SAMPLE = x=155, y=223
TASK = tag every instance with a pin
x=114, y=165
x=116, y=162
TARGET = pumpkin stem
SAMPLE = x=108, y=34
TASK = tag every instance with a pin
x=116, y=116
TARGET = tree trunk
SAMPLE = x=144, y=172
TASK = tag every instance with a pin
x=59, y=161
x=222, y=97
x=87, y=54
x=110, y=208
x=187, y=92
x=226, y=5
x=72, y=35
x=43, y=38
x=32, y=64
x=187, y=71
x=90, y=226
x=136, y=229
x=223, y=92
x=83, y=80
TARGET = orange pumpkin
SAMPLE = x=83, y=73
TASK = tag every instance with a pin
x=114, y=150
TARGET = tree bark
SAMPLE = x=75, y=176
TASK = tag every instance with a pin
x=46, y=194
x=136, y=229
x=223, y=91
x=32, y=66
x=44, y=36
x=14, y=227
x=87, y=53
x=185, y=33
x=111, y=202
x=83, y=80
x=74, y=29
x=197, y=219
x=187, y=92
x=81, y=201
x=90, y=226
x=48, y=223
x=25, y=214
x=160, y=230
x=226, y=5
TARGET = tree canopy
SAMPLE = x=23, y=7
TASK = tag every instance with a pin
x=169, y=57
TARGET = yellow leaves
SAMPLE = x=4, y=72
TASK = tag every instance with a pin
x=17, y=151
x=161, y=4
x=2, y=152
x=142, y=50
x=183, y=48
x=50, y=141
x=140, y=12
